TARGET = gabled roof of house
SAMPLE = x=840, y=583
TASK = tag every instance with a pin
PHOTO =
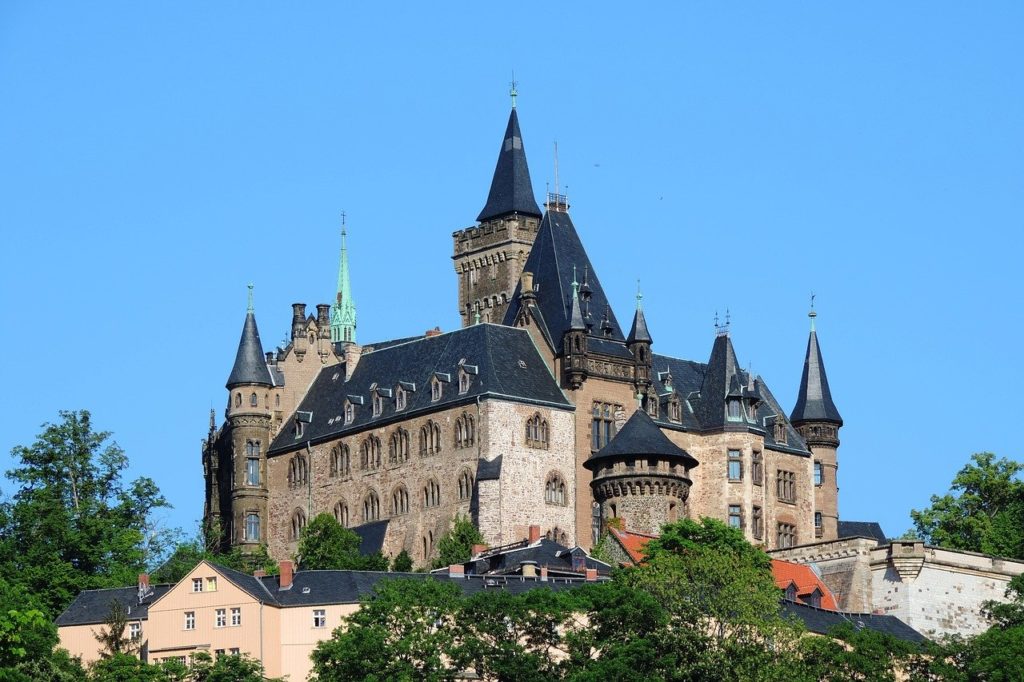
x=93, y=606
x=507, y=363
x=823, y=621
x=633, y=543
x=805, y=580
x=556, y=557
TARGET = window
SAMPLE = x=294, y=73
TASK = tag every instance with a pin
x=435, y=390
x=341, y=461
x=400, y=501
x=537, y=432
x=238, y=400
x=236, y=616
x=341, y=513
x=350, y=412
x=254, y=401
x=371, y=507
x=757, y=469
x=465, y=431
x=378, y=405
x=190, y=620
x=218, y=653
x=735, y=516
x=785, y=486
x=735, y=411
x=818, y=530
x=780, y=431
x=298, y=523
x=369, y=453
x=787, y=535
x=277, y=400
x=234, y=651
x=319, y=618
x=675, y=412
x=463, y=381
x=735, y=465
x=252, y=527
x=431, y=494
x=211, y=584
x=465, y=485
x=758, y=518
x=220, y=618
x=252, y=464
x=430, y=439
x=197, y=584
x=603, y=424
x=814, y=598
x=298, y=471
x=135, y=631
x=398, y=447
x=817, y=473
x=554, y=489
x=400, y=398
x=791, y=592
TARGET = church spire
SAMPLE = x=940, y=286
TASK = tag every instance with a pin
x=250, y=365
x=343, y=312
x=638, y=332
x=511, y=189
x=814, y=401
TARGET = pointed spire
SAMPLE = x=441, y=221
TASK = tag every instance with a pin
x=575, y=316
x=511, y=189
x=343, y=312
x=638, y=332
x=250, y=364
x=814, y=401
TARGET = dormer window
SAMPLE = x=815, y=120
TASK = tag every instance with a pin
x=350, y=412
x=814, y=598
x=378, y=405
x=299, y=430
x=400, y=398
x=735, y=411
x=791, y=592
x=675, y=412
x=435, y=390
x=463, y=381
x=780, y=430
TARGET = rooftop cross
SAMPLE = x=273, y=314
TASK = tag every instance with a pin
x=512, y=91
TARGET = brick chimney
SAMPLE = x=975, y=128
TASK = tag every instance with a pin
x=591, y=574
x=544, y=573
x=534, y=534
x=143, y=581
x=436, y=331
x=285, y=579
x=479, y=549
x=456, y=571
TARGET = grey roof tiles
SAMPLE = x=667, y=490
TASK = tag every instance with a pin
x=250, y=364
x=814, y=400
x=511, y=189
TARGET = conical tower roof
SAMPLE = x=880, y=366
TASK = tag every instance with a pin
x=722, y=379
x=814, y=401
x=511, y=190
x=638, y=332
x=641, y=437
x=250, y=364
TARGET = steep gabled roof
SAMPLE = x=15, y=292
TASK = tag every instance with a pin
x=508, y=366
x=93, y=606
x=511, y=190
x=250, y=364
x=720, y=375
x=804, y=579
x=641, y=437
x=633, y=543
x=638, y=332
x=556, y=252
x=814, y=401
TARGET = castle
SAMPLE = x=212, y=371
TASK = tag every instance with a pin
x=542, y=409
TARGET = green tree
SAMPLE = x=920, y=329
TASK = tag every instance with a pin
x=983, y=512
x=226, y=669
x=72, y=523
x=456, y=546
x=326, y=544
x=404, y=631
x=112, y=635
x=402, y=563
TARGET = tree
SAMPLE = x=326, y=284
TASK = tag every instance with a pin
x=236, y=668
x=456, y=546
x=112, y=635
x=402, y=563
x=72, y=523
x=403, y=631
x=326, y=544
x=983, y=512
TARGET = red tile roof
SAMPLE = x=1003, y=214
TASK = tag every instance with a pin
x=633, y=543
x=805, y=579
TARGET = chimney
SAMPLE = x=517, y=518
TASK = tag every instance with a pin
x=298, y=320
x=259, y=573
x=285, y=579
x=323, y=319
x=591, y=574
x=456, y=571
x=526, y=284
x=143, y=581
x=534, y=534
x=544, y=573
x=529, y=568
x=352, y=354
x=478, y=550
x=436, y=331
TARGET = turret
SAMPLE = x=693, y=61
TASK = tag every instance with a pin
x=818, y=421
x=574, y=343
x=248, y=429
x=639, y=343
x=343, y=313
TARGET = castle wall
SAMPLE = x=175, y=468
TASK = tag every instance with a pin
x=844, y=566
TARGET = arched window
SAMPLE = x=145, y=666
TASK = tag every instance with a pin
x=371, y=507
x=350, y=413
x=423, y=441
x=465, y=485
x=431, y=494
x=435, y=390
x=400, y=398
x=252, y=527
x=465, y=431
x=460, y=435
x=277, y=400
x=254, y=401
x=341, y=461
x=341, y=513
x=298, y=472
x=400, y=501
x=558, y=535
x=369, y=453
x=430, y=438
x=555, y=490
x=298, y=523
x=537, y=431
x=398, y=447
x=436, y=438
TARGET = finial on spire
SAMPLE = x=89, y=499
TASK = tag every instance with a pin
x=722, y=329
x=812, y=314
x=343, y=216
x=476, y=315
x=249, y=309
x=639, y=296
x=513, y=93
x=575, y=284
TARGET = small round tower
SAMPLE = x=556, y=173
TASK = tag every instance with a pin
x=641, y=476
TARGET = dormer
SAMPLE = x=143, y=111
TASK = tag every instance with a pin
x=402, y=394
x=302, y=419
x=466, y=374
x=437, y=385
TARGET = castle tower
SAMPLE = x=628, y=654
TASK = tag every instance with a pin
x=489, y=258
x=818, y=422
x=641, y=477
x=639, y=343
x=574, y=343
x=248, y=429
x=343, y=312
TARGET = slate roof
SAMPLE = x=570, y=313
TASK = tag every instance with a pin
x=822, y=621
x=511, y=189
x=639, y=332
x=488, y=470
x=862, y=529
x=250, y=364
x=558, y=559
x=640, y=437
x=93, y=606
x=507, y=364
x=371, y=536
x=814, y=400
x=556, y=250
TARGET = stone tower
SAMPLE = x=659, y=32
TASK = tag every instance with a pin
x=639, y=344
x=818, y=422
x=249, y=430
x=641, y=477
x=489, y=257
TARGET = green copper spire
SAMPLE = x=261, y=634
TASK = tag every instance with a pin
x=343, y=312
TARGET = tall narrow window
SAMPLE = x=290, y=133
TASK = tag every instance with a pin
x=236, y=616
x=252, y=527
x=400, y=399
x=555, y=489
x=785, y=486
x=400, y=501
x=371, y=507
x=465, y=486
x=757, y=468
x=298, y=523
x=252, y=471
x=220, y=618
x=735, y=516
x=254, y=401
x=735, y=410
x=603, y=424
x=435, y=390
x=190, y=620
x=758, y=523
x=341, y=513
x=735, y=465
x=818, y=529
x=817, y=473
x=431, y=494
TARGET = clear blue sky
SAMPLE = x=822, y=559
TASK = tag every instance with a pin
x=156, y=157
